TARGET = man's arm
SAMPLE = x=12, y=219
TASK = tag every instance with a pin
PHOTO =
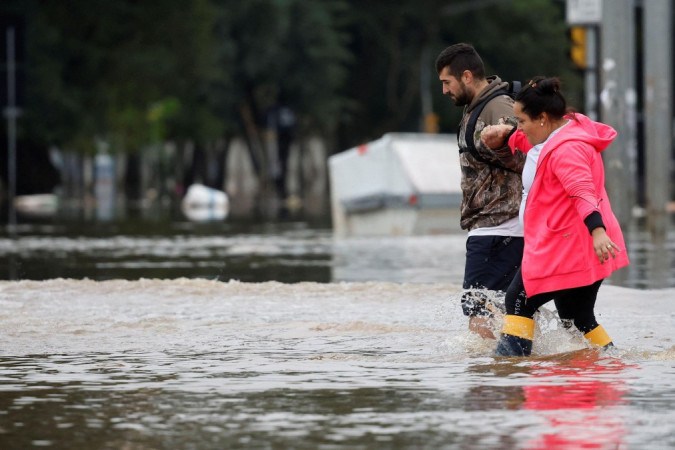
x=499, y=112
x=494, y=137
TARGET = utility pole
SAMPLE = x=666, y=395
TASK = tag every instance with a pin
x=584, y=18
x=658, y=111
x=618, y=103
x=11, y=112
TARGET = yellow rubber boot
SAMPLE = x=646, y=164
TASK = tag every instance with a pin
x=599, y=337
x=516, y=338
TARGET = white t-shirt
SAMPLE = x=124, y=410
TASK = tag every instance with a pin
x=511, y=227
x=530, y=169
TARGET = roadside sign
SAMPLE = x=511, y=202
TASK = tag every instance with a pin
x=584, y=12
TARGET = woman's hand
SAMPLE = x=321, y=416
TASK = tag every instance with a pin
x=603, y=245
x=494, y=136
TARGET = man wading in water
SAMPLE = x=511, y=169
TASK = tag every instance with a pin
x=491, y=183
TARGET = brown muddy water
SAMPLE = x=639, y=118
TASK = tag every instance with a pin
x=278, y=335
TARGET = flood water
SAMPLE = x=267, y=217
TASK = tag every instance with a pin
x=274, y=335
x=253, y=250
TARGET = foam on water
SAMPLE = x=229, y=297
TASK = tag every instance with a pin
x=66, y=314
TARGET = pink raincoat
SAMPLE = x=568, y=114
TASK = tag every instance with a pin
x=568, y=186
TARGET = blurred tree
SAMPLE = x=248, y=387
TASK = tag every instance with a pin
x=395, y=44
x=390, y=41
x=517, y=40
x=289, y=51
x=349, y=70
x=97, y=67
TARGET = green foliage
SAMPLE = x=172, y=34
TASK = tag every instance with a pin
x=137, y=73
x=390, y=42
x=286, y=51
x=96, y=67
x=517, y=39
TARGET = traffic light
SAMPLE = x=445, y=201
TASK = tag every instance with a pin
x=577, y=53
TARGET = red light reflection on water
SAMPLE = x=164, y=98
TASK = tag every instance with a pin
x=576, y=395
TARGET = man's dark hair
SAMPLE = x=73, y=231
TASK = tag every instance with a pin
x=461, y=57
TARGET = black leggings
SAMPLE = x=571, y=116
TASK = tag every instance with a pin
x=573, y=305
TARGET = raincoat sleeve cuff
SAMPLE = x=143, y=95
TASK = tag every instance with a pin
x=593, y=221
x=518, y=141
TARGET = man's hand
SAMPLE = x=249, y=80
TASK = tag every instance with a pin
x=494, y=136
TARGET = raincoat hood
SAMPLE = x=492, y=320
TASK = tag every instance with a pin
x=581, y=128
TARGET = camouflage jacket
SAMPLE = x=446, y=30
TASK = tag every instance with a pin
x=491, y=192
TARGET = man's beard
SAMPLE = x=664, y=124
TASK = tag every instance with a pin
x=463, y=98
